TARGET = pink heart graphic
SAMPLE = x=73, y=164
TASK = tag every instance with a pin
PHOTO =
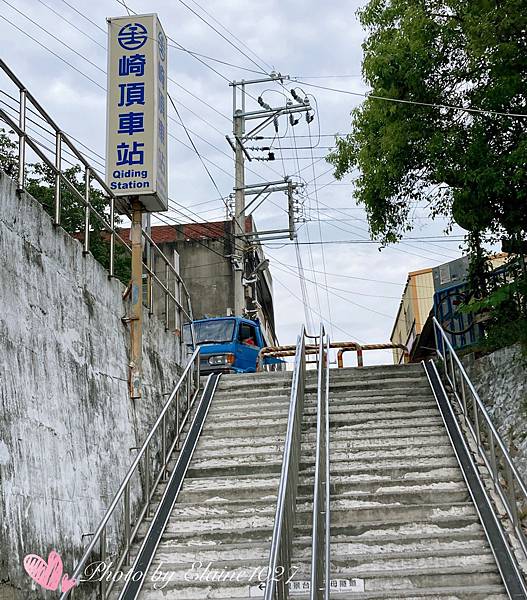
x=46, y=574
x=68, y=583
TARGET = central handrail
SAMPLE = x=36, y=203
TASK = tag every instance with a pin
x=506, y=478
x=188, y=387
x=280, y=553
x=320, y=557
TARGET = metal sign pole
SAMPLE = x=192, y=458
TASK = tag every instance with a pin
x=136, y=317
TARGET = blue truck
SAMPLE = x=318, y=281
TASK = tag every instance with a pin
x=227, y=344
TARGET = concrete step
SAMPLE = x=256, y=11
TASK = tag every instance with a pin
x=265, y=464
x=467, y=592
x=270, y=461
x=477, y=592
x=215, y=581
x=398, y=541
x=258, y=523
x=344, y=398
x=281, y=409
x=214, y=447
x=400, y=386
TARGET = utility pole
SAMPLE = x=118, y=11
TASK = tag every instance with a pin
x=265, y=117
x=239, y=211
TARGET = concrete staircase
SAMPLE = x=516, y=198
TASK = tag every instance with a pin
x=402, y=519
x=225, y=512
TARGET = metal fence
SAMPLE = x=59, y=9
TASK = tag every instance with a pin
x=506, y=480
x=145, y=473
x=26, y=117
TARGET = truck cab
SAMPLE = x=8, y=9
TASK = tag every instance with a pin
x=227, y=344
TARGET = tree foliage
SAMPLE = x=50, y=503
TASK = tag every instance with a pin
x=468, y=166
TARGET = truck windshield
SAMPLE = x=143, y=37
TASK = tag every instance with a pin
x=215, y=331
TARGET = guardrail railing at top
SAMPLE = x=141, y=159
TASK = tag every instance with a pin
x=146, y=471
x=283, y=351
x=506, y=480
x=158, y=279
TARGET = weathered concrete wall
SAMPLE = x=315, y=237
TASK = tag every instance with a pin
x=208, y=277
x=500, y=379
x=66, y=421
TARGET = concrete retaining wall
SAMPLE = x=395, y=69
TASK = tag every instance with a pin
x=66, y=421
x=500, y=379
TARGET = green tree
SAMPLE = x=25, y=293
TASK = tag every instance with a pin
x=468, y=166
x=40, y=183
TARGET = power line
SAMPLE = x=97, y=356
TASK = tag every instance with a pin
x=262, y=70
x=414, y=102
x=344, y=276
x=54, y=36
x=323, y=242
x=317, y=207
x=352, y=337
x=198, y=154
x=367, y=308
x=51, y=52
x=233, y=35
x=61, y=16
x=84, y=16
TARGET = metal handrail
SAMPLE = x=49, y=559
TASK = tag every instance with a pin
x=506, y=479
x=188, y=388
x=280, y=552
x=61, y=139
x=320, y=551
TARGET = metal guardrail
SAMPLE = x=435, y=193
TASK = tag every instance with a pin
x=152, y=468
x=280, y=552
x=320, y=557
x=506, y=480
x=63, y=145
x=282, y=351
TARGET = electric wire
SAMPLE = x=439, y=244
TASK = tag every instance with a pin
x=233, y=35
x=262, y=70
x=324, y=267
x=351, y=336
x=416, y=103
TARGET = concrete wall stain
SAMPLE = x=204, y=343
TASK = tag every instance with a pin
x=66, y=421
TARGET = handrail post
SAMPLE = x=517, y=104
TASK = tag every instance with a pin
x=506, y=479
x=164, y=446
x=102, y=551
x=111, y=268
x=167, y=304
x=150, y=279
x=147, y=479
x=58, y=166
x=127, y=518
x=22, y=141
x=86, y=247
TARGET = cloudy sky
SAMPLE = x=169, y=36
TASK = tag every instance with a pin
x=63, y=64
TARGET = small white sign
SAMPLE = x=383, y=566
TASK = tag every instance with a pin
x=304, y=587
x=347, y=585
x=257, y=590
